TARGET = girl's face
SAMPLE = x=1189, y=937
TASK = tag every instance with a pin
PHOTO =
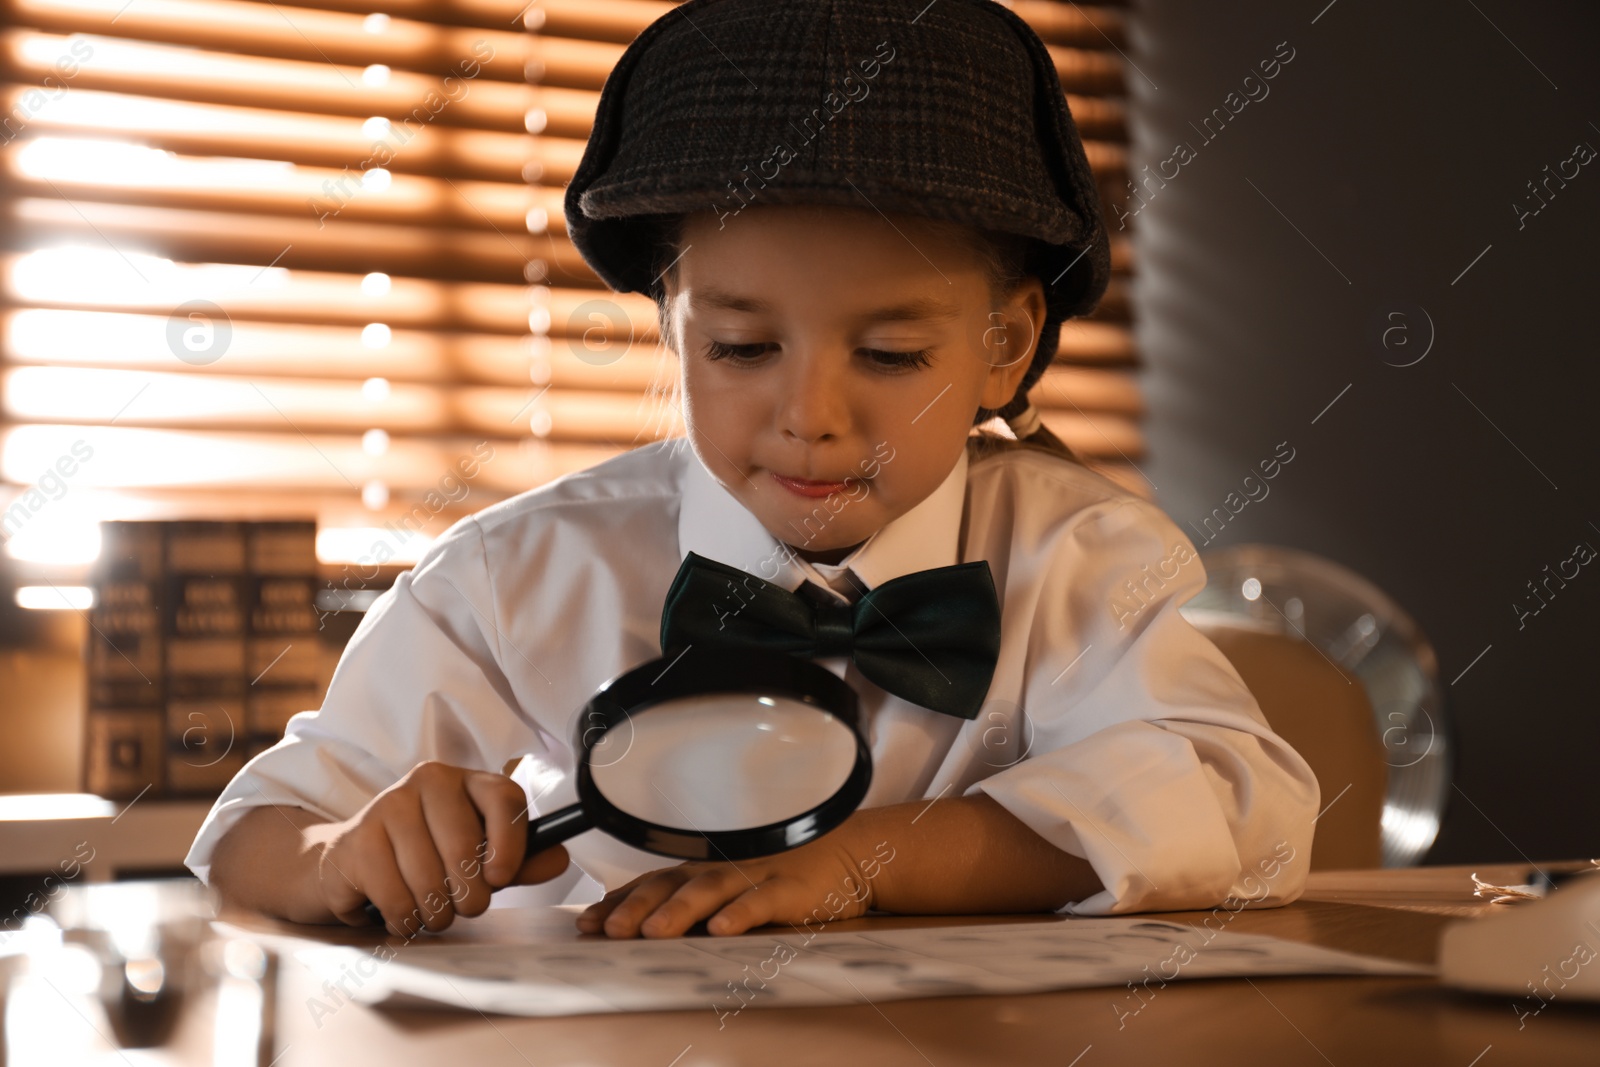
x=838, y=345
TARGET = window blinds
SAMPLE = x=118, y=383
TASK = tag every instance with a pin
x=264, y=260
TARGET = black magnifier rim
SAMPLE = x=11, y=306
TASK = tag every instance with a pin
x=702, y=671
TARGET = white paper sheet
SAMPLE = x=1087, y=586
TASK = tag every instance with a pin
x=572, y=976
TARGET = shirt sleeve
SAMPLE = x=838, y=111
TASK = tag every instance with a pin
x=1148, y=755
x=419, y=680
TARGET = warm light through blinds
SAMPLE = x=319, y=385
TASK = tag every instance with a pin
x=263, y=260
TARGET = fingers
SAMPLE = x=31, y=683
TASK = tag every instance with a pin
x=360, y=867
x=594, y=916
x=542, y=866
x=696, y=899
x=452, y=821
x=504, y=831
x=454, y=837
x=419, y=861
x=745, y=912
x=380, y=883
x=435, y=844
x=664, y=903
x=634, y=907
x=387, y=889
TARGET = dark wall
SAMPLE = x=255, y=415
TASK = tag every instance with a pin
x=1385, y=157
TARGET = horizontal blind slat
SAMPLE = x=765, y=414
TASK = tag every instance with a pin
x=285, y=31
x=407, y=509
x=135, y=458
x=512, y=14
x=319, y=194
x=313, y=87
x=337, y=246
x=55, y=279
x=168, y=400
x=117, y=341
x=259, y=133
x=1079, y=25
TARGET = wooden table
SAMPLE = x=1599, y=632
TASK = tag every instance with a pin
x=1331, y=1020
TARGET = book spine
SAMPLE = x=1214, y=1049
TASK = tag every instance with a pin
x=124, y=724
x=204, y=631
x=284, y=649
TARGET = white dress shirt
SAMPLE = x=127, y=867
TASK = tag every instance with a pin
x=1112, y=727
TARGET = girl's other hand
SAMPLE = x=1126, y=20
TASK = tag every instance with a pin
x=432, y=846
x=818, y=881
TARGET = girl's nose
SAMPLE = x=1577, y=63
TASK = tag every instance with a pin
x=814, y=403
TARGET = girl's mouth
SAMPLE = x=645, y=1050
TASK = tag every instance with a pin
x=808, y=489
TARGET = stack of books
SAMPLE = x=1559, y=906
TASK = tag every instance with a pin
x=204, y=639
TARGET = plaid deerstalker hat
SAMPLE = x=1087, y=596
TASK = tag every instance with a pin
x=950, y=109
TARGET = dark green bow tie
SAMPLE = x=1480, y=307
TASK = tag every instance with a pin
x=931, y=637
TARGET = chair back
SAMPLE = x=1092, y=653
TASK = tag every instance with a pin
x=1323, y=712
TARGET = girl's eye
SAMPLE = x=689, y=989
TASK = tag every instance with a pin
x=743, y=353
x=747, y=353
x=918, y=358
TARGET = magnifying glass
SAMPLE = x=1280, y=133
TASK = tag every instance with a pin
x=714, y=754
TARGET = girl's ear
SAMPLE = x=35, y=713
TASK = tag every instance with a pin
x=1011, y=341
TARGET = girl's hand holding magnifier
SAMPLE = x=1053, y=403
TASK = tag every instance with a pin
x=432, y=846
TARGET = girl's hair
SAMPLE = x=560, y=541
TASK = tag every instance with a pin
x=1004, y=257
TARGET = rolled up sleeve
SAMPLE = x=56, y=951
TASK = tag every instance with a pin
x=420, y=679
x=1149, y=757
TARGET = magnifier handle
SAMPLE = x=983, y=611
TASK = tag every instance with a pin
x=550, y=830
x=543, y=832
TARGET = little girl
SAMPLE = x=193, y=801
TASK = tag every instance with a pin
x=863, y=224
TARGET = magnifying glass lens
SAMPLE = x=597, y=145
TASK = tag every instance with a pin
x=723, y=761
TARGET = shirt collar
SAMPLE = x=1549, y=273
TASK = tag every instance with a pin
x=712, y=523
